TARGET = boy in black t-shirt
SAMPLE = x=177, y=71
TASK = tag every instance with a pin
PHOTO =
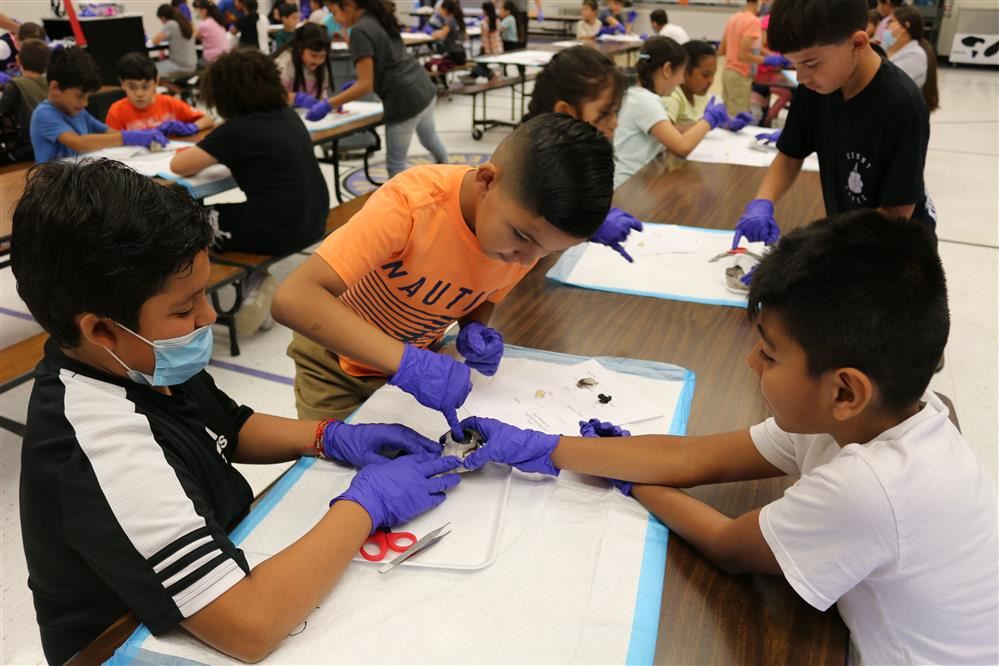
x=127, y=485
x=864, y=117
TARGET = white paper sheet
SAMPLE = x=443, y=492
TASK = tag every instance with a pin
x=620, y=38
x=352, y=111
x=528, y=58
x=721, y=146
x=146, y=162
x=671, y=262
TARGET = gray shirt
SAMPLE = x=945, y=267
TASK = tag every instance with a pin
x=911, y=59
x=455, y=40
x=404, y=87
x=182, y=51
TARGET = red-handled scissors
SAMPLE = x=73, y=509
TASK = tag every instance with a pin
x=385, y=541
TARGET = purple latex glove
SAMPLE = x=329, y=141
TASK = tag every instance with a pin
x=527, y=450
x=143, y=138
x=618, y=29
x=757, y=223
x=363, y=444
x=4, y=78
x=319, y=110
x=598, y=428
x=401, y=489
x=769, y=137
x=481, y=346
x=715, y=113
x=739, y=121
x=304, y=100
x=632, y=15
x=436, y=381
x=427, y=29
x=615, y=229
x=776, y=60
x=177, y=128
x=748, y=277
x=541, y=16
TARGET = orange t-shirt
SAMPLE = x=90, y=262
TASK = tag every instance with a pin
x=123, y=116
x=411, y=264
x=742, y=24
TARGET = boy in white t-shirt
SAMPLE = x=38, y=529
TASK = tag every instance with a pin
x=893, y=517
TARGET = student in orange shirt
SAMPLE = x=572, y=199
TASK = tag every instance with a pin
x=740, y=45
x=143, y=109
x=435, y=245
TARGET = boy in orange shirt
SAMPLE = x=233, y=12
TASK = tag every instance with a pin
x=740, y=45
x=143, y=109
x=435, y=245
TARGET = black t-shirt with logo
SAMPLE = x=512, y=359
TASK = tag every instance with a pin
x=126, y=498
x=871, y=148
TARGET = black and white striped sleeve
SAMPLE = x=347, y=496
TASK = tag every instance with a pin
x=140, y=522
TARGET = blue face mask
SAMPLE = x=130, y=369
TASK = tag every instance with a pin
x=887, y=40
x=177, y=359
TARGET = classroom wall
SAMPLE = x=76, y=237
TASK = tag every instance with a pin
x=971, y=22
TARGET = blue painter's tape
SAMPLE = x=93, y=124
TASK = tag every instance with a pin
x=200, y=191
x=645, y=627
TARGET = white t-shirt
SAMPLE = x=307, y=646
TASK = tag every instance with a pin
x=634, y=147
x=675, y=32
x=911, y=59
x=900, y=532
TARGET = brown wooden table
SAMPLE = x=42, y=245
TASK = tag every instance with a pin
x=708, y=616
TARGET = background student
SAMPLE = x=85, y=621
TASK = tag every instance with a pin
x=266, y=146
x=179, y=32
x=509, y=26
x=143, y=108
x=288, y=17
x=740, y=45
x=871, y=146
x=884, y=8
x=612, y=18
x=588, y=26
x=661, y=25
x=128, y=488
x=22, y=94
x=210, y=30
x=893, y=517
x=908, y=49
x=644, y=128
x=61, y=126
x=384, y=66
x=685, y=105
x=246, y=24
x=304, y=68
x=10, y=43
x=490, y=39
x=450, y=37
x=435, y=245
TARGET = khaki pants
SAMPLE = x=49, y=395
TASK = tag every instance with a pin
x=736, y=91
x=322, y=389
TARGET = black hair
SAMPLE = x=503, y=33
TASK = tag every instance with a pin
x=562, y=169
x=224, y=84
x=30, y=30
x=286, y=10
x=659, y=16
x=97, y=237
x=510, y=7
x=592, y=4
x=859, y=290
x=874, y=16
x=912, y=22
x=575, y=76
x=136, y=67
x=489, y=11
x=172, y=13
x=312, y=37
x=697, y=50
x=892, y=3
x=250, y=7
x=213, y=11
x=453, y=7
x=73, y=67
x=34, y=55
x=656, y=52
x=796, y=25
x=381, y=12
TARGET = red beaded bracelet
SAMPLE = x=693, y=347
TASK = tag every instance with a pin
x=318, y=444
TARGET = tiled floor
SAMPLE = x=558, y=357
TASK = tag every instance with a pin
x=962, y=175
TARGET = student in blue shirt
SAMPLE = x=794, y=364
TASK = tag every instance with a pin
x=61, y=126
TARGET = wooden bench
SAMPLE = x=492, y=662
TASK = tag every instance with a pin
x=481, y=125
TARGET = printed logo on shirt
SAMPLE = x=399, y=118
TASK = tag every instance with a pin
x=855, y=181
x=221, y=442
x=148, y=123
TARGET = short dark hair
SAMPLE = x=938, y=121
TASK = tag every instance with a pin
x=562, y=169
x=575, y=76
x=97, y=237
x=796, y=25
x=74, y=68
x=287, y=9
x=659, y=16
x=859, y=290
x=697, y=50
x=655, y=53
x=592, y=4
x=136, y=67
x=224, y=84
x=30, y=30
x=251, y=6
x=34, y=55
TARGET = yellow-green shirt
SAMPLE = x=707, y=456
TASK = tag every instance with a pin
x=680, y=110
